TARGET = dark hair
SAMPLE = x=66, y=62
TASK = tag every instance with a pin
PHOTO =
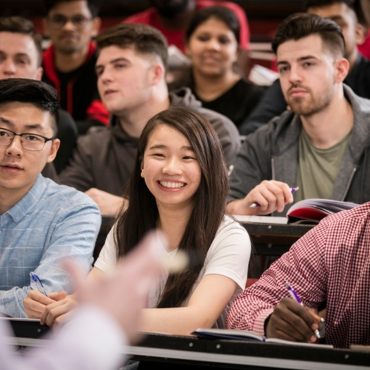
x=209, y=200
x=320, y=3
x=221, y=13
x=361, y=8
x=94, y=5
x=300, y=25
x=25, y=27
x=145, y=39
x=38, y=93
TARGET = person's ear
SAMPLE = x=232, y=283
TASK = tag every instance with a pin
x=142, y=168
x=157, y=73
x=96, y=24
x=39, y=74
x=342, y=67
x=360, y=34
x=53, y=151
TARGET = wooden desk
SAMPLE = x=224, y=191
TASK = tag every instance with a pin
x=274, y=239
x=187, y=352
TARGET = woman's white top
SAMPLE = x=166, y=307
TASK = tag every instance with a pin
x=228, y=256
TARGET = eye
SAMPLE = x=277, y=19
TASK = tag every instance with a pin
x=203, y=38
x=120, y=65
x=22, y=61
x=283, y=69
x=4, y=134
x=33, y=138
x=224, y=40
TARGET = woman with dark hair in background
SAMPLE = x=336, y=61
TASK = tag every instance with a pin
x=179, y=185
x=212, y=44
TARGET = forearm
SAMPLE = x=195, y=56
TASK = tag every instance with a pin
x=11, y=301
x=179, y=320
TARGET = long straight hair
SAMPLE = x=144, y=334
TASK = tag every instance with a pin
x=209, y=200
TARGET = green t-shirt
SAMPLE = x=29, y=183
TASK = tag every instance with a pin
x=318, y=168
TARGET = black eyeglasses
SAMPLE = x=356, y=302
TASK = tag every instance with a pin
x=28, y=141
x=58, y=21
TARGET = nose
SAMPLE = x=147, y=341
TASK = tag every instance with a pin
x=213, y=44
x=8, y=68
x=294, y=75
x=172, y=167
x=15, y=148
x=69, y=26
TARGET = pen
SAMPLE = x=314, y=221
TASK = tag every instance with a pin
x=255, y=204
x=37, y=282
x=295, y=296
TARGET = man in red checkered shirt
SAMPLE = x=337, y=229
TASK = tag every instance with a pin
x=328, y=265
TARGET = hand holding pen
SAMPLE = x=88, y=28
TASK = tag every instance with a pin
x=296, y=297
x=255, y=204
x=36, y=282
x=290, y=320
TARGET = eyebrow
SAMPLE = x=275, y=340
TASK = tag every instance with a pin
x=31, y=126
x=98, y=66
x=161, y=146
x=308, y=57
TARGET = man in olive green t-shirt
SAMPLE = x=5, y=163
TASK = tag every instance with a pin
x=322, y=143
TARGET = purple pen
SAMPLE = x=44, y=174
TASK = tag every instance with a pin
x=292, y=190
x=295, y=296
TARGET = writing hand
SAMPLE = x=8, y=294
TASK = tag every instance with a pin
x=291, y=321
x=35, y=302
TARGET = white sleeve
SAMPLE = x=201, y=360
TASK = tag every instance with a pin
x=92, y=340
x=229, y=253
x=107, y=259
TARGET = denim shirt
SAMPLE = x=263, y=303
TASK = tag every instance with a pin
x=51, y=222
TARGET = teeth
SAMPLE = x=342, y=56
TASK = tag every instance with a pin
x=171, y=185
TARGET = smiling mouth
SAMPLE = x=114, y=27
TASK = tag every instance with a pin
x=171, y=185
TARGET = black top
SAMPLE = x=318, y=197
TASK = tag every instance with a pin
x=237, y=102
x=273, y=103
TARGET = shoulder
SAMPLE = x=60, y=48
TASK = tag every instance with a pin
x=229, y=228
x=66, y=197
x=96, y=135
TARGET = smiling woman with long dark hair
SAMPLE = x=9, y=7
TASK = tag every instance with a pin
x=179, y=186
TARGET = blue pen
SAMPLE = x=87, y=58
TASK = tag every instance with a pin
x=37, y=282
x=295, y=296
x=292, y=190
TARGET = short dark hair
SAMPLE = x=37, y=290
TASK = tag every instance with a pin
x=145, y=39
x=300, y=25
x=221, y=13
x=25, y=27
x=319, y=3
x=38, y=93
x=361, y=8
x=94, y=5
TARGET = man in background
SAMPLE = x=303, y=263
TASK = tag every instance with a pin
x=342, y=12
x=322, y=144
x=69, y=63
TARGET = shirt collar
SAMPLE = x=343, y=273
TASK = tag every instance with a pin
x=29, y=201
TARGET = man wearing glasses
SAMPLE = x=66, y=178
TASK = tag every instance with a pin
x=69, y=63
x=41, y=222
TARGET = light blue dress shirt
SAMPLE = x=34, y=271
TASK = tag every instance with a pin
x=51, y=222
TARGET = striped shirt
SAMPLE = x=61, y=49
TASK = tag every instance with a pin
x=329, y=263
x=49, y=223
